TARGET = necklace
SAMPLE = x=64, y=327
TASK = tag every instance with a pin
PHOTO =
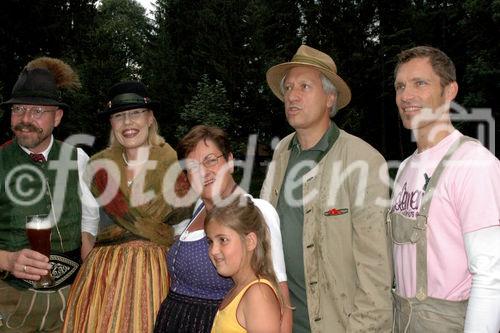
x=132, y=163
x=135, y=171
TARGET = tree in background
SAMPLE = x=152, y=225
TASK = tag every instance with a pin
x=230, y=41
x=103, y=42
x=33, y=28
x=113, y=52
x=159, y=71
x=481, y=50
x=209, y=106
x=234, y=42
x=346, y=31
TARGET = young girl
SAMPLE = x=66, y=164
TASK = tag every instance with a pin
x=239, y=248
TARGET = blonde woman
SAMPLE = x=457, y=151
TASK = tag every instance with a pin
x=124, y=280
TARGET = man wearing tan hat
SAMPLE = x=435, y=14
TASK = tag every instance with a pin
x=330, y=190
x=41, y=188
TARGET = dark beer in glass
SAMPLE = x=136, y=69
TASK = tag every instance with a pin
x=38, y=230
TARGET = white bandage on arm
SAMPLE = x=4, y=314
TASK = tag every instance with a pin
x=483, y=253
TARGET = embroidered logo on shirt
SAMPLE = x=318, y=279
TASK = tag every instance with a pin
x=335, y=211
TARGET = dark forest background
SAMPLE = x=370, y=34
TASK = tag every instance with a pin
x=205, y=60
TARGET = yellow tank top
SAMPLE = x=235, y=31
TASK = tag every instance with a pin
x=225, y=320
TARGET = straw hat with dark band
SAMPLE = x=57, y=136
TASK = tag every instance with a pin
x=309, y=57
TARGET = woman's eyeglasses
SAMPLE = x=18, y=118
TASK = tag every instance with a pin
x=208, y=162
x=132, y=115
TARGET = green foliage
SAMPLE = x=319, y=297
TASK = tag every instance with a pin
x=346, y=31
x=116, y=42
x=479, y=54
x=209, y=106
x=231, y=41
x=205, y=60
x=159, y=72
x=114, y=52
x=33, y=28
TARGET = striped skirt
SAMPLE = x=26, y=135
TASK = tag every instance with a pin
x=119, y=289
x=184, y=314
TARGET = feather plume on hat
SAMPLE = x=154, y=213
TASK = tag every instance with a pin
x=65, y=77
x=41, y=82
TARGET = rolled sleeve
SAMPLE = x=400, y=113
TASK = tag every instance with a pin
x=90, y=207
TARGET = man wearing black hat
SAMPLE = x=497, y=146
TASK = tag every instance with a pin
x=329, y=191
x=41, y=177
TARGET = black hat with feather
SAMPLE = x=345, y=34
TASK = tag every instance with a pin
x=41, y=83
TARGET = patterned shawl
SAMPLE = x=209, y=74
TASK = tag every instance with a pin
x=144, y=221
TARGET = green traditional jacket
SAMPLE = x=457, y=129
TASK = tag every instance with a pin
x=27, y=187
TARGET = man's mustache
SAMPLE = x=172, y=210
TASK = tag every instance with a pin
x=29, y=127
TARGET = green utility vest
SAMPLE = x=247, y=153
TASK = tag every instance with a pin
x=27, y=187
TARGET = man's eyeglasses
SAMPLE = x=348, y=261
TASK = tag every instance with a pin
x=208, y=162
x=132, y=115
x=35, y=111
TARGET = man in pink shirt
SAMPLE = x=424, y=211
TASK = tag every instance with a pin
x=445, y=209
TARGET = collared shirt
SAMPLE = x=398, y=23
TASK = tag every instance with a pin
x=90, y=207
x=291, y=213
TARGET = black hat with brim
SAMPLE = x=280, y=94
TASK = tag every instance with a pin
x=35, y=86
x=128, y=95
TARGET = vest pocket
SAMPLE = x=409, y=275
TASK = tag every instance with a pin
x=404, y=230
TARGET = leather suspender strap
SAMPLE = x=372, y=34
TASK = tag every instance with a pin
x=422, y=217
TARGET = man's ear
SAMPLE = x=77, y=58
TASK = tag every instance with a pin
x=451, y=91
x=251, y=241
x=58, y=114
x=331, y=99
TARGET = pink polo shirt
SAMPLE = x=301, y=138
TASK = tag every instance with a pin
x=467, y=198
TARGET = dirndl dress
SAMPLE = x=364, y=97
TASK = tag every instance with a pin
x=196, y=289
x=119, y=289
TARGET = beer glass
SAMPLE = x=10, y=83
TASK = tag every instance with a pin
x=38, y=230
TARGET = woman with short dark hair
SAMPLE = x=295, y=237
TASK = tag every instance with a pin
x=196, y=289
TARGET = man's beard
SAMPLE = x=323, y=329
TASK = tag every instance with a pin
x=26, y=139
